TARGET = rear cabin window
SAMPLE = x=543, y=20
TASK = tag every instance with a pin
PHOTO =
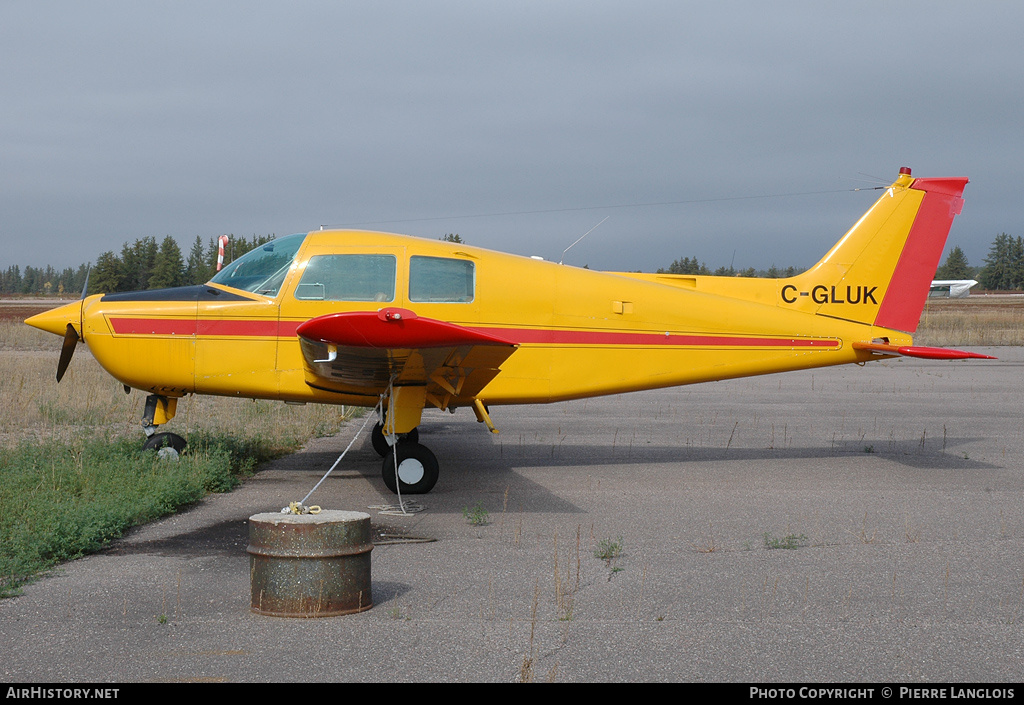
x=441, y=280
x=348, y=278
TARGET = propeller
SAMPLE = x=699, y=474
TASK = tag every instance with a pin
x=66, y=351
x=71, y=337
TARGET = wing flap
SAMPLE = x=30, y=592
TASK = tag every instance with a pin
x=392, y=328
x=363, y=352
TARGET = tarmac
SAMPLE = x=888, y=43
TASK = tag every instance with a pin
x=838, y=525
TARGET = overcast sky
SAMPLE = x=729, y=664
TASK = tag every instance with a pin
x=519, y=125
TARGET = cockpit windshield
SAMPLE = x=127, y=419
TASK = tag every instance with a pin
x=262, y=270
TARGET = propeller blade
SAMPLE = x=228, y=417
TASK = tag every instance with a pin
x=67, y=350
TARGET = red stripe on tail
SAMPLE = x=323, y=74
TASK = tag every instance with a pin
x=904, y=299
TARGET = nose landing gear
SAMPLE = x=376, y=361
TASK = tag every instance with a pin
x=158, y=411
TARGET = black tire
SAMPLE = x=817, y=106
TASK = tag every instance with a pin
x=417, y=468
x=159, y=441
x=380, y=443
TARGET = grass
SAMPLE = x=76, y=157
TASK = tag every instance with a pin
x=976, y=320
x=72, y=473
x=59, y=501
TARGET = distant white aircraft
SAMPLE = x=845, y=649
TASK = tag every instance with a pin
x=953, y=288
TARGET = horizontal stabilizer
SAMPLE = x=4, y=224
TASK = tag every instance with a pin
x=922, y=352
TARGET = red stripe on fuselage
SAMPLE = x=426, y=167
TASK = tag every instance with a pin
x=238, y=328
x=541, y=336
x=537, y=336
x=214, y=327
x=153, y=326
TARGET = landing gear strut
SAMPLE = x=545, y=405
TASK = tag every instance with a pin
x=380, y=441
x=409, y=468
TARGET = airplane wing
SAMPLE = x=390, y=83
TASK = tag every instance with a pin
x=364, y=352
x=920, y=351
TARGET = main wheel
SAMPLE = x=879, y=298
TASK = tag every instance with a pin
x=380, y=443
x=417, y=468
x=166, y=444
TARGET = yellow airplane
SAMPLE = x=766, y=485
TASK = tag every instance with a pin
x=401, y=324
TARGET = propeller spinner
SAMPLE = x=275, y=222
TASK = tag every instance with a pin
x=62, y=321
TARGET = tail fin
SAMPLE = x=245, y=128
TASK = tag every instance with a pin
x=880, y=272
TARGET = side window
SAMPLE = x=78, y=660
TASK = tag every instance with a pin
x=441, y=280
x=348, y=278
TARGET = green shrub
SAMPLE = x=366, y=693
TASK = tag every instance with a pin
x=59, y=501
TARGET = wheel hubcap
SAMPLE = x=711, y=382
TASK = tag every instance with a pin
x=410, y=471
x=167, y=453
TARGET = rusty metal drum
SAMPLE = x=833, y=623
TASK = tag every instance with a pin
x=310, y=565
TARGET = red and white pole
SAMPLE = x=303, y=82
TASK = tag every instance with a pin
x=223, y=241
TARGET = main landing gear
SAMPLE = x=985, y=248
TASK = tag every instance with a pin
x=417, y=467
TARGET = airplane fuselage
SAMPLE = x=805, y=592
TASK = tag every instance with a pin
x=580, y=332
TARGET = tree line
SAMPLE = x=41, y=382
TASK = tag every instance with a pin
x=691, y=265
x=1003, y=269
x=146, y=264
x=143, y=264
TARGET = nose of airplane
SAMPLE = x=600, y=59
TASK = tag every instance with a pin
x=56, y=320
x=66, y=321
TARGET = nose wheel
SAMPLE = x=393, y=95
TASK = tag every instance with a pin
x=410, y=467
x=166, y=444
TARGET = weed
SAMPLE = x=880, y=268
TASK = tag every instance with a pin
x=565, y=589
x=863, y=535
x=398, y=615
x=709, y=545
x=608, y=550
x=910, y=531
x=526, y=669
x=789, y=541
x=477, y=516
